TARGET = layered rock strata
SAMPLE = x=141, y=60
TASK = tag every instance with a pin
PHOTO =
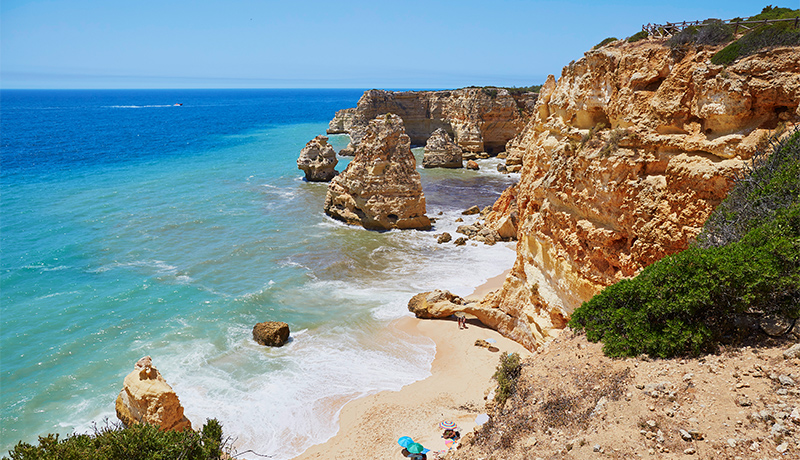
x=318, y=160
x=626, y=156
x=479, y=119
x=441, y=152
x=380, y=189
x=147, y=398
x=342, y=121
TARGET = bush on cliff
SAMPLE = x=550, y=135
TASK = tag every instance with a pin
x=712, y=34
x=774, y=12
x=690, y=302
x=506, y=374
x=114, y=442
x=641, y=35
x=766, y=36
x=605, y=42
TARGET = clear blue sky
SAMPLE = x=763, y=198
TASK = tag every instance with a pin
x=330, y=44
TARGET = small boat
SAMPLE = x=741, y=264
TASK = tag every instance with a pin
x=177, y=105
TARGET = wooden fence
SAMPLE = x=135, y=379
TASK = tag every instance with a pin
x=671, y=28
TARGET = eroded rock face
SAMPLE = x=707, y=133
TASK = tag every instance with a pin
x=625, y=158
x=318, y=160
x=441, y=152
x=481, y=119
x=271, y=333
x=342, y=121
x=147, y=398
x=380, y=189
x=441, y=304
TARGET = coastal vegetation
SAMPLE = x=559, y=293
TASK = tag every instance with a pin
x=507, y=373
x=744, y=267
x=115, y=442
x=604, y=42
x=491, y=91
x=763, y=37
x=641, y=35
x=741, y=41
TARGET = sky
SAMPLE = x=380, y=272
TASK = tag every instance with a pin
x=317, y=44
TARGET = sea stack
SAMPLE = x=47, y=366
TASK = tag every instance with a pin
x=318, y=160
x=441, y=152
x=380, y=189
x=147, y=398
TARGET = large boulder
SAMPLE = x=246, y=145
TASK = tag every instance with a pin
x=318, y=160
x=271, y=333
x=442, y=304
x=441, y=152
x=147, y=398
x=380, y=189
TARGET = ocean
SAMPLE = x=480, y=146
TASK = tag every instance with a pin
x=130, y=226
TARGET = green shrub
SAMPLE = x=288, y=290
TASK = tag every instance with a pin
x=524, y=89
x=490, y=91
x=766, y=36
x=770, y=12
x=114, y=442
x=605, y=42
x=691, y=301
x=684, y=37
x=638, y=36
x=768, y=185
x=712, y=34
x=507, y=373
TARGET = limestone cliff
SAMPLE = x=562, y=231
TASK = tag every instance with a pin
x=342, y=121
x=380, y=189
x=625, y=157
x=478, y=119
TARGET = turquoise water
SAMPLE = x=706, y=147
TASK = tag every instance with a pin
x=133, y=227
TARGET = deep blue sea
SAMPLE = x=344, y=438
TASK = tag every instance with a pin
x=130, y=226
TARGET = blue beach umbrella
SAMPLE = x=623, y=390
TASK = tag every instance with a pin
x=405, y=441
x=415, y=448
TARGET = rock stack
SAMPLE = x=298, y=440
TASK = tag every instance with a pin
x=381, y=188
x=318, y=160
x=147, y=398
x=441, y=152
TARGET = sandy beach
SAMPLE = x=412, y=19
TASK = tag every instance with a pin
x=461, y=377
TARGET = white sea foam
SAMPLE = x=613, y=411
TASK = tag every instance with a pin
x=295, y=399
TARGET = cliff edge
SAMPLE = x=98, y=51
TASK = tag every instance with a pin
x=624, y=159
x=479, y=119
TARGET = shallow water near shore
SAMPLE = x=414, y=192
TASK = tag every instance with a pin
x=133, y=227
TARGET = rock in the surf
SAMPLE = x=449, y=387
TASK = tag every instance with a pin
x=147, y=398
x=441, y=152
x=380, y=189
x=271, y=333
x=318, y=160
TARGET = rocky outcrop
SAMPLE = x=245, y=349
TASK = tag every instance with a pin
x=479, y=119
x=147, y=398
x=626, y=156
x=271, y=333
x=441, y=304
x=342, y=121
x=380, y=189
x=318, y=160
x=441, y=152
